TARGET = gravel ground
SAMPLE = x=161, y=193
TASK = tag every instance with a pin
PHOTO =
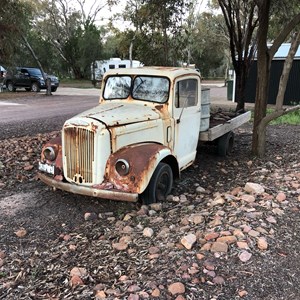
x=212, y=239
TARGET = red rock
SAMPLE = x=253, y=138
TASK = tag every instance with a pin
x=227, y=239
x=120, y=246
x=176, y=288
x=188, y=241
x=100, y=295
x=219, y=247
x=219, y=280
x=76, y=280
x=77, y=271
x=242, y=245
x=211, y=236
x=155, y=293
x=133, y=297
x=281, y=197
x=262, y=244
x=2, y=254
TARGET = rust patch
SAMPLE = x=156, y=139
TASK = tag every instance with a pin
x=56, y=144
x=141, y=159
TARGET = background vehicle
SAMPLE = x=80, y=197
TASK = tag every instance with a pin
x=99, y=67
x=144, y=132
x=29, y=78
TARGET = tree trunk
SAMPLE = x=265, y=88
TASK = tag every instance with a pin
x=48, y=86
x=262, y=82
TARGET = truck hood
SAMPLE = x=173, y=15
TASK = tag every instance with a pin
x=114, y=114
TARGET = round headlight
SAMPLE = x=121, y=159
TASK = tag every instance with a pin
x=49, y=153
x=122, y=167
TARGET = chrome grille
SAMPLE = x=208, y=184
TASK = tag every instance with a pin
x=79, y=154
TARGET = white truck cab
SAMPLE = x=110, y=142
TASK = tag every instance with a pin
x=142, y=134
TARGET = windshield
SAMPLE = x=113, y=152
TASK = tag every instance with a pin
x=36, y=72
x=145, y=88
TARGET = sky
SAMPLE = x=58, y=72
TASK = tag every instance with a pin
x=105, y=14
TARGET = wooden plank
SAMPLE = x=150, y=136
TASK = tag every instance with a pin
x=219, y=130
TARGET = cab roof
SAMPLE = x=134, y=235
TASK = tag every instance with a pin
x=170, y=72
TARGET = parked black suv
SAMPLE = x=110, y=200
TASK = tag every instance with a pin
x=29, y=78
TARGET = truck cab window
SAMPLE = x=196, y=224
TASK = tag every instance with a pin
x=117, y=87
x=186, y=93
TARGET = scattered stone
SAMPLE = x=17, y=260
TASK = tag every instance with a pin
x=188, y=241
x=100, y=295
x=1, y=262
x=244, y=256
x=281, y=197
x=133, y=297
x=156, y=206
x=200, y=190
x=120, y=246
x=90, y=216
x=227, y=239
x=176, y=288
x=211, y=236
x=198, y=219
x=262, y=243
x=253, y=233
x=75, y=281
x=242, y=293
x=155, y=293
x=133, y=288
x=77, y=271
x=217, y=201
x=254, y=188
x=21, y=233
x=248, y=198
x=206, y=247
x=271, y=220
x=242, y=245
x=148, y=232
x=218, y=280
x=200, y=256
x=219, y=247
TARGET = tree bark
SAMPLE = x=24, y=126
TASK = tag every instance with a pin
x=262, y=82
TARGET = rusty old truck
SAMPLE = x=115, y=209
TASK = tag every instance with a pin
x=139, y=138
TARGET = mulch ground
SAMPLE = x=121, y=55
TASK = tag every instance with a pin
x=213, y=239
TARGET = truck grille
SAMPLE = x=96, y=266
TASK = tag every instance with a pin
x=79, y=154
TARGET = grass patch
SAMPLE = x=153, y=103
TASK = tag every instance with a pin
x=292, y=118
x=75, y=83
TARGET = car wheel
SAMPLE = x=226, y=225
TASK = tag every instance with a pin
x=225, y=144
x=35, y=87
x=53, y=89
x=160, y=185
x=28, y=89
x=10, y=86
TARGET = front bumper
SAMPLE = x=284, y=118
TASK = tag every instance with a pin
x=89, y=191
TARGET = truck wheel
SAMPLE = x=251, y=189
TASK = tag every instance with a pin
x=53, y=89
x=35, y=87
x=225, y=143
x=160, y=185
x=10, y=86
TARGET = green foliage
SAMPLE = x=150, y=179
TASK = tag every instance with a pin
x=292, y=118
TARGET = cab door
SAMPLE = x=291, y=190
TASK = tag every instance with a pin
x=187, y=118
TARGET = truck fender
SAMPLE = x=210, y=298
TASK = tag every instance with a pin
x=130, y=168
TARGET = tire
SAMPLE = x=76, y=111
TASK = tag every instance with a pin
x=53, y=89
x=225, y=144
x=160, y=185
x=35, y=87
x=28, y=89
x=10, y=86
